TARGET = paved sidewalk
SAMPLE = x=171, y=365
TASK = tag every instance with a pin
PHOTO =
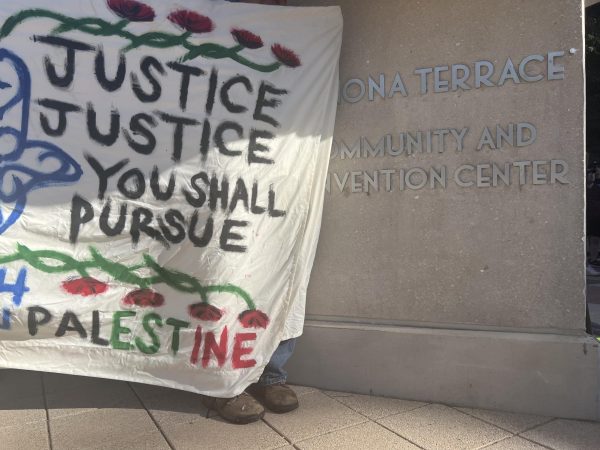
x=50, y=411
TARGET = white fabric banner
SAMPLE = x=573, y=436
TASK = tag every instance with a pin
x=162, y=170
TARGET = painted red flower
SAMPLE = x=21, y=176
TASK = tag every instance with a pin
x=191, y=21
x=253, y=318
x=84, y=286
x=144, y=298
x=247, y=38
x=204, y=311
x=285, y=56
x=132, y=10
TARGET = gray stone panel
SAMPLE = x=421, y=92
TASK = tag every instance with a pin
x=440, y=427
x=567, y=435
x=365, y=435
x=318, y=415
x=475, y=257
x=546, y=375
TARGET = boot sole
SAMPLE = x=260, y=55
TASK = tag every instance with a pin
x=210, y=405
x=281, y=409
x=244, y=420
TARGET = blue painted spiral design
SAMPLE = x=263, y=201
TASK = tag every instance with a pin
x=16, y=178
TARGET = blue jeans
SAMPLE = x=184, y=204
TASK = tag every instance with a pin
x=274, y=373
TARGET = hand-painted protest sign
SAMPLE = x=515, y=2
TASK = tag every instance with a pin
x=162, y=169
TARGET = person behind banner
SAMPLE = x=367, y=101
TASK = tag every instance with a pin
x=271, y=391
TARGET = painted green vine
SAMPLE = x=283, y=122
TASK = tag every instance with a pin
x=99, y=27
x=63, y=263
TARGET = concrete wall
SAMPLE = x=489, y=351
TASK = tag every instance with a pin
x=423, y=236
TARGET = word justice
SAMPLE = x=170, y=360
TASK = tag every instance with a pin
x=237, y=95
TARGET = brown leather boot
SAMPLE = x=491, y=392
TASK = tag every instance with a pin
x=241, y=409
x=279, y=398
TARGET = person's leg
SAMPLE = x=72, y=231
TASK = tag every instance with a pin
x=271, y=389
x=274, y=373
x=244, y=408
